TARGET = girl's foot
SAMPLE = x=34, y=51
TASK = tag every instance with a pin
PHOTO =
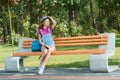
x=40, y=70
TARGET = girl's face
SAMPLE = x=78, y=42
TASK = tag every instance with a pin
x=46, y=22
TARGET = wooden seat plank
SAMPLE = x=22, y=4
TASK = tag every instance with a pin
x=65, y=52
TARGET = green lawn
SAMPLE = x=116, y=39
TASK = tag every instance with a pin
x=59, y=60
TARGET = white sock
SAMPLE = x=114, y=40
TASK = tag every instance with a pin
x=42, y=66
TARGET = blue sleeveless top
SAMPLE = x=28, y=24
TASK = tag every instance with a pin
x=47, y=38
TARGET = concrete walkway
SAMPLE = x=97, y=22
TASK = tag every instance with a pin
x=59, y=74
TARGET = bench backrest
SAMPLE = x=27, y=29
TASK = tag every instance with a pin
x=74, y=41
x=104, y=41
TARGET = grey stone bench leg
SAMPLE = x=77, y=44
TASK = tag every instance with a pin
x=14, y=64
x=99, y=63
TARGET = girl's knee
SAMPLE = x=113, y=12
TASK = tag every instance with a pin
x=44, y=50
x=49, y=51
x=52, y=49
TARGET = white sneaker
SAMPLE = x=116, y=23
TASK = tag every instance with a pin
x=40, y=70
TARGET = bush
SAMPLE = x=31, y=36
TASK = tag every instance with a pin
x=33, y=31
x=61, y=30
x=88, y=30
x=113, y=31
x=15, y=38
x=74, y=30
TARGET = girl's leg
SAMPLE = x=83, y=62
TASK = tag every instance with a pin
x=44, y=59
x=44, y=52
x=41, y=66
x=47, y=56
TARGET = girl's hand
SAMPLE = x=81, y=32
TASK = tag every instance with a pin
x=49, y=17
x=47, y=47
x=54, y=22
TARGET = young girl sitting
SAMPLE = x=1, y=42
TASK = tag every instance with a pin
x=46, y=40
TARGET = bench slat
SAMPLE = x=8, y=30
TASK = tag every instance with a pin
x=27, y=53
x=67, y=52
x=73, y=44
x=26, y=46
x=75, y=40
x=81, y=41
x=70, y=41
x=82, y=37
x=82, y=44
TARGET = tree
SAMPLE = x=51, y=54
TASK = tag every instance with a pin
x=92, y=14
x=8, y=4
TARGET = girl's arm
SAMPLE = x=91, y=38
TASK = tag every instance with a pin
x=54, y=22
x=40, y=40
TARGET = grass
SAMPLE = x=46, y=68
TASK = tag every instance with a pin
x=81, y=60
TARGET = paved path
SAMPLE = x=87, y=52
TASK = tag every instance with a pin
x=59, y=74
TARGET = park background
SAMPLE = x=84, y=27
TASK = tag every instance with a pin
x=20, y=19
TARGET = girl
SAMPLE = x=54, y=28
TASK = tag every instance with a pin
x=46, y=40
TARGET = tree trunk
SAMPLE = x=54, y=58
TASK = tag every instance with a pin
x=31, y=16
x=11, y=27
x=73, y=15
x=4, y=34
x=70, y=13
x=92, y=14
x=100, y=26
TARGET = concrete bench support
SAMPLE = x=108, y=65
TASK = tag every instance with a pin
x=14, y=64
x=99, y=63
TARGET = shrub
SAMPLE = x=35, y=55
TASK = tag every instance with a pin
x=33, y=31
x=74, y=29
x=15, y=38
x=61, y=30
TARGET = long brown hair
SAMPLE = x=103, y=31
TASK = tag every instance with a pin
x=40, y=26
x=41, y=23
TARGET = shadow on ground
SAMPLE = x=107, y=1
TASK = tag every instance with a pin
x=82, y=64
x=77, y=64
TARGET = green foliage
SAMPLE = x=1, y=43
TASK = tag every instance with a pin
x=108, y=12
x=26, y=25
x=33, y=31
x=113, y=31
x=64, y=30
x=88, y=30
x=27, y=13
x=102, y=21
x=61, y=30
x=74, y=29
x=15, y=38
x=1, y=32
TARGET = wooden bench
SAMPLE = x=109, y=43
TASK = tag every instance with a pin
x=98, y=59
